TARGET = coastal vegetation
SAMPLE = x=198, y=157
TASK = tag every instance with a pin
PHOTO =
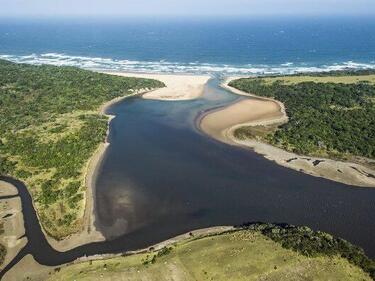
x=50, y=126
x=330, y=114
x=252, y=252
x=344, y=79
x=314, y=243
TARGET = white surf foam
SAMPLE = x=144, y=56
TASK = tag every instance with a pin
x=176, y=67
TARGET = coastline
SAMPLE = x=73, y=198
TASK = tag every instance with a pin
x=94, y=164
x=339, y=171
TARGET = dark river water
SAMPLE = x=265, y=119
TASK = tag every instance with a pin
x=161, y=177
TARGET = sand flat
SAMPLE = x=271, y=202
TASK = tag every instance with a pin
x=242, y=112
x=178, y=87
x=6, y=189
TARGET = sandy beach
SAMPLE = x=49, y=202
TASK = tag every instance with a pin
x=222, y=123
x=178, y=87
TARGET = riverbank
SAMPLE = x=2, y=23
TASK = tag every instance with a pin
x=89, y=233
x=48, y=146
x=222, y=253
x=178, y=87
x=259, y=111
x=29, y=269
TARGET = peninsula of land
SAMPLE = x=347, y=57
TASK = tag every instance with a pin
x=249, y=121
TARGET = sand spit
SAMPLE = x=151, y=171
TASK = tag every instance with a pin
x=256, y=111
x=178, y=87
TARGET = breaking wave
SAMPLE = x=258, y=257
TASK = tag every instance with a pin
x=108, y=64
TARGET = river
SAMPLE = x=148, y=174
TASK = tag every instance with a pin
x=162, y=177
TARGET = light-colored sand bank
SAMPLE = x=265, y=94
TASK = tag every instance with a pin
x=217, y=123
x=222, y=123
x=178, y=87
x=29, y=269
x=11, y=218
x=6, y=189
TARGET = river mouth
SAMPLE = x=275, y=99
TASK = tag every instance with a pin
x=162, y=177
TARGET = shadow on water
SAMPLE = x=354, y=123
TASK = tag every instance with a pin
x=162, y=177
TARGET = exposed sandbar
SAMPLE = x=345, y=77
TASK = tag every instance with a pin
x=178, y=87
x=217, y=123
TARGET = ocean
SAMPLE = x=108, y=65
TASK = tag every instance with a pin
x=222, y=45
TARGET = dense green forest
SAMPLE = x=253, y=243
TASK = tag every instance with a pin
x=338, y=73
x=50, y=126
x=325, y=119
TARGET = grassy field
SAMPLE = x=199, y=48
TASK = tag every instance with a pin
x=50, y=126
x=349, y=79
x=240, y=255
